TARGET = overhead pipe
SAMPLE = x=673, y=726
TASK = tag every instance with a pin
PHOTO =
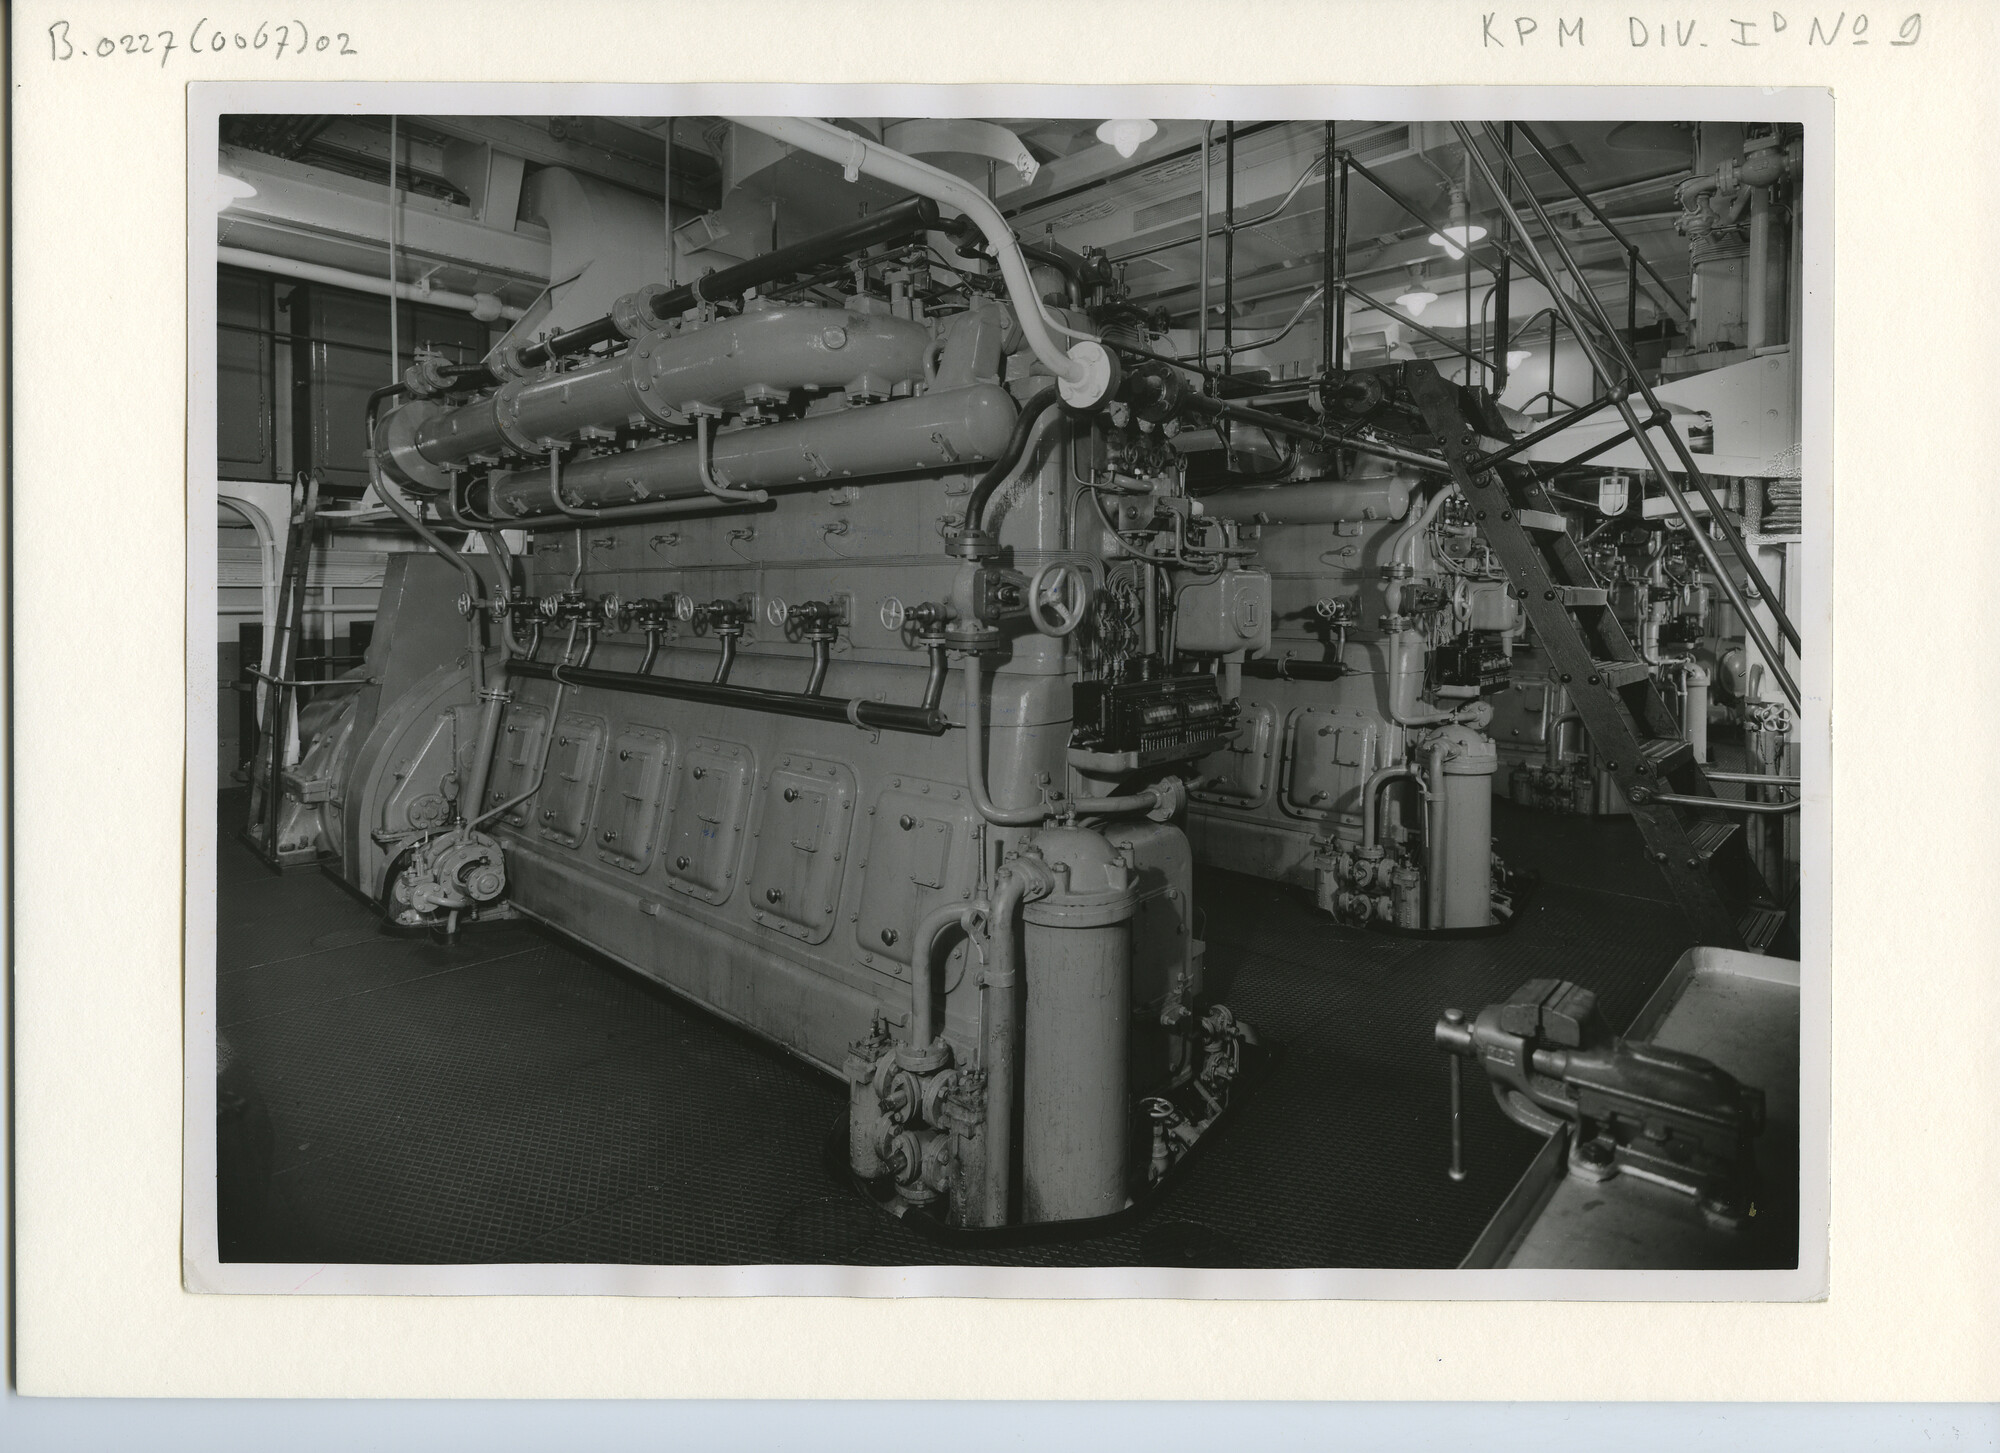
x=1562, y=174
x=1503, y=278
x=1085, y=371
x=1230, y=350
x=483, y=306
x=1228, y=248
x=1333, y=263
x=1245, y=224
x=1207, y=231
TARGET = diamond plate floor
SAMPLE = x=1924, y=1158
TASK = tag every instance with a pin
x=514, y=1099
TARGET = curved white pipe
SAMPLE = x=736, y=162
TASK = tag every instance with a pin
x=483, y=306
x=975, y=756
x=859, y=156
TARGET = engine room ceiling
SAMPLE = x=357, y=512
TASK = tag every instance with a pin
x=321, y=179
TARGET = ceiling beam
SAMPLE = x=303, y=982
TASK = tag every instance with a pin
x=530, y=138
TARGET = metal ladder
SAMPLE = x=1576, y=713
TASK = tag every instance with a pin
x=280, y=693
x=1703, y=856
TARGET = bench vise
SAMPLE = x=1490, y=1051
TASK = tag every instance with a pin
x=1659, y=1114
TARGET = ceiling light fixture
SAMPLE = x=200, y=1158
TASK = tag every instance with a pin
x=1416, y=296
x=1461, y=232
x=1127, y=133
x=233, y=188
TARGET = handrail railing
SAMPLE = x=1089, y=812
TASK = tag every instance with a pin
x=1640, y=428
x=1625, y=244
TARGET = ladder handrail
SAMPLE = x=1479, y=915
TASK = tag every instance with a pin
x=1640, y=430
x=1631, y=365
x=287, y=624
x=1625, y=243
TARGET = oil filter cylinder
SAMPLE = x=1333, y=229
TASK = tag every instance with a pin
x=1075, y=1111
x=1470, y=761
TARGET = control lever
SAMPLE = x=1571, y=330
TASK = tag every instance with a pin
x=1659, y=1114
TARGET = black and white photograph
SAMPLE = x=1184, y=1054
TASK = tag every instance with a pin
x=1131, y=700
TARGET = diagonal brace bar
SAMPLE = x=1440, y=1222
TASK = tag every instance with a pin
x=1547, y=431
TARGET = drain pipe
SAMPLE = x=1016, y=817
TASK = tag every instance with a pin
x=548, y=741
x=923, y=1002
x=1021, y=879
x=822, y=655
x=491, y=701
x=1434, y=855
x=1371, y=801
x=1087, y=372
x=704, y=465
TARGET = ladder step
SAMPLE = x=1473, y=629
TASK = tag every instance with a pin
x=1707, y=836
x=1623, y=673
x=1542, y=520
x=1759, y=926
x=1666, y=755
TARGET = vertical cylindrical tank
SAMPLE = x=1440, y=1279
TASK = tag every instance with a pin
x=1075, y=1091
x=1467, y=860
x=1694, y=709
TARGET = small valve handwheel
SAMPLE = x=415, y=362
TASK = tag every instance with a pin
x=1064, y=588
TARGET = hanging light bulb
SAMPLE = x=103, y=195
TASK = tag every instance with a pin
x=1127, y=133
x=233, y=186
x=1416, y=296
x=1461, y=232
